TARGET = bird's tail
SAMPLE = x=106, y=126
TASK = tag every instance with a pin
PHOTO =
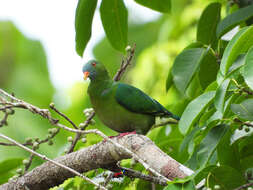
x=171, y=115
x=175, y=117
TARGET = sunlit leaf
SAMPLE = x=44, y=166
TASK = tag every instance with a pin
x=114, y=19
x=208, y=23
x=239, y=44
x=157, y=5
x=193, y=110
x=10, y=164
x=83, y=21
x=244, y=110
x=185, y=66
x=248, y=69
x=234, y=19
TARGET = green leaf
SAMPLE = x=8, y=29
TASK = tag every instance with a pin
x=244, y=110
x=83, y=22
x=234, y=19
x=239, y=62
x=169, y=80
x=163, y=6
x=185, y=186
x=227, y=106
x=208, y=70
x=248, y=69
x=220, y=95
x=185, y=66
x=228, y=154
x=10, y=164
x=201, y=174
x=188, y=138
x=208, y=23
x=193, y=111
x=5, y=177
x=226, y=177
x=113, y=15
x=239, y=44
x=209, y=144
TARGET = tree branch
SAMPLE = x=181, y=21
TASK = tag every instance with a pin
x=244, y=186
x=23, y=184
x=96, y=156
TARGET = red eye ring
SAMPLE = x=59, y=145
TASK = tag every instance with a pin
x=93, y=64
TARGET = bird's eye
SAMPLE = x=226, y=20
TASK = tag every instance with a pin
x=93, y=64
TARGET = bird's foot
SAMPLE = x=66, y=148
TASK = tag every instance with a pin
x=118, y=174
x=121, y=135
x=124, y=134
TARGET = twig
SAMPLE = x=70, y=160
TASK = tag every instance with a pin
x=4, y=120
x=11, y=144
x=243, y=123
x=27, y=166
x=243, y=89
x=108, y=179
x=124, y=64
x=78, y=135
x=46, y=114
x=244, y=186
x=63, y=115
x=52, y=161
x=136, y=174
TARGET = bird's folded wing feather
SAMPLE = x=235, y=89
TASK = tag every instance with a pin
x=137, y=101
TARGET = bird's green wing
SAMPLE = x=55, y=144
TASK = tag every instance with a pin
x=137, y=101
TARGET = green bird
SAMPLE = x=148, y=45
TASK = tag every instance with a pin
x=120, y=106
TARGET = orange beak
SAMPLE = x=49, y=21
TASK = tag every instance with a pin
x=86, y=75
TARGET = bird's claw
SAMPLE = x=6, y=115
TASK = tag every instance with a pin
x=121, y=135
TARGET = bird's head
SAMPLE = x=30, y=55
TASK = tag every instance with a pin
x=94, y=70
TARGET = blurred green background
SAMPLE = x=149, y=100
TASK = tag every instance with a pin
x=24, y=71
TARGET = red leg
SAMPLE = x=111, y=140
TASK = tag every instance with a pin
x=124, y=134
x=121, y=135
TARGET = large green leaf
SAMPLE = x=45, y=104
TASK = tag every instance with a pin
x=209, y=144
x=114, y=19
x=228, y=154
x=226, y=177
x=208, y=70
x=239, y=44
x=208, y=23
x=5, y=177
x=185, y=186
x=244, y=109
x=83, y=21
x=239, y=62
x=234, y=19
x=188, y=139
x=201, y=174
x=169, y=80
x=185, y=66
x=193, y=111
x=10, y=164
x=248, y=69
x=163, y=6
x=220, y=95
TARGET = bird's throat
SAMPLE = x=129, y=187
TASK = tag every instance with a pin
x=97, y=87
